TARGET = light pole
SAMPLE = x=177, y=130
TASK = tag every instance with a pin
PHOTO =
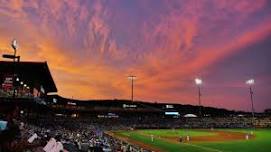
x=14, y=45
x=198, y=82
x=251, y=82
x=132, y=78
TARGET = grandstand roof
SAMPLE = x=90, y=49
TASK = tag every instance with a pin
x=31, y=73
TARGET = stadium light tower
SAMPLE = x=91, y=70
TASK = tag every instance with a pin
x=198, y=82
x=14, y=45
x=132, y=78
x=251, y=82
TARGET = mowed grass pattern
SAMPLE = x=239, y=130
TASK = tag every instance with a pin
x=262, y=142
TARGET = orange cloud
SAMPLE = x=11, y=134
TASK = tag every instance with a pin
x=92, y=46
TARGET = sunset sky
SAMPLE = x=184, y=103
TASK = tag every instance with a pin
x=91, y=46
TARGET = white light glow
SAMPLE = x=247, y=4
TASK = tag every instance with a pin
x=14, y=44
x=22, y=83
x=198, y=81
x=250, y=82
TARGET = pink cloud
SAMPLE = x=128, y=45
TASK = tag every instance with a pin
x=90, y=56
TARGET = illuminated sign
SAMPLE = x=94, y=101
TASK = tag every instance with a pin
x=8, y=83
x=59, y=114
x=129, y=106
x=71, y=103
x=169, y=106
x=172, y=113
x=109, y=115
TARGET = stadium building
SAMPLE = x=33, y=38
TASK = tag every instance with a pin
x=27, y=78
x=26, y=85
x=33, y=81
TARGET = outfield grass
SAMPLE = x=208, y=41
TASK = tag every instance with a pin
x=175, y=132
x=261, y=143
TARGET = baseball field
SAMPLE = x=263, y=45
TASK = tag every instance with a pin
x=200, y=140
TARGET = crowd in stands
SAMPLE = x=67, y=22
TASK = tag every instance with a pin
x=10, y=93
x=89, y=134
x=55, y=135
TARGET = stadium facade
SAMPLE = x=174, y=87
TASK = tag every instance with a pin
x=26, y=79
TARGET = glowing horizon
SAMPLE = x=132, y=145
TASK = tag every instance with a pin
x=92, y=46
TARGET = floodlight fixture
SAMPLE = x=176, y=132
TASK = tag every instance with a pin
x=198, y=81
x=131, y=77
x=250, y=82
x=14, y=44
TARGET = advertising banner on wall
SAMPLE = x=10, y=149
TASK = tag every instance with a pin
x=7, y=82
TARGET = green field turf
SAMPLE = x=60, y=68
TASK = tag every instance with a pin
x=262, y=142
x=176, y=132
